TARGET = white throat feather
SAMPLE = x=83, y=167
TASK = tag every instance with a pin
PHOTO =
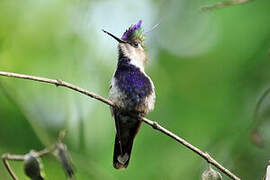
x=136, y=55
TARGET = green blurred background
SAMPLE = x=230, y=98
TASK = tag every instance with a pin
x=209, y=69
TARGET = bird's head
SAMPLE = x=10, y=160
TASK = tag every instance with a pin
x=132, y=46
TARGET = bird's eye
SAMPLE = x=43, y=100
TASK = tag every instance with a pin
x=135, y=44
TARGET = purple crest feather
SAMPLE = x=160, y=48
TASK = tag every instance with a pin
x=134, y=32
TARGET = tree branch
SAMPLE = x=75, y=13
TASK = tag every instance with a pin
x=18, y=157
x=57, y=82
x=5, y=161
x=154, y=124
x=224, y=4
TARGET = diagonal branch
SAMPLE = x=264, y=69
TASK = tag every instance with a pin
x=154, y=124
x=223, y=4
x=57, y=82
x=5, y=161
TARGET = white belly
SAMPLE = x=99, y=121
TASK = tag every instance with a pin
x=120, y=99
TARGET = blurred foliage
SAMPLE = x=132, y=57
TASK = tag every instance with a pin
x=209, y=69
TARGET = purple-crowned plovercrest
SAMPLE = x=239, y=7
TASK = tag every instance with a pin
x=131, y=90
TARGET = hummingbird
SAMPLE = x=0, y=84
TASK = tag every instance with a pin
x=131, y=90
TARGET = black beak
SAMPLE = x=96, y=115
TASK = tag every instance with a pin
x=116, y=38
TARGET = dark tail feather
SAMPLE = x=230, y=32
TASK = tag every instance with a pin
x=127, y=128
x=38, y=178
